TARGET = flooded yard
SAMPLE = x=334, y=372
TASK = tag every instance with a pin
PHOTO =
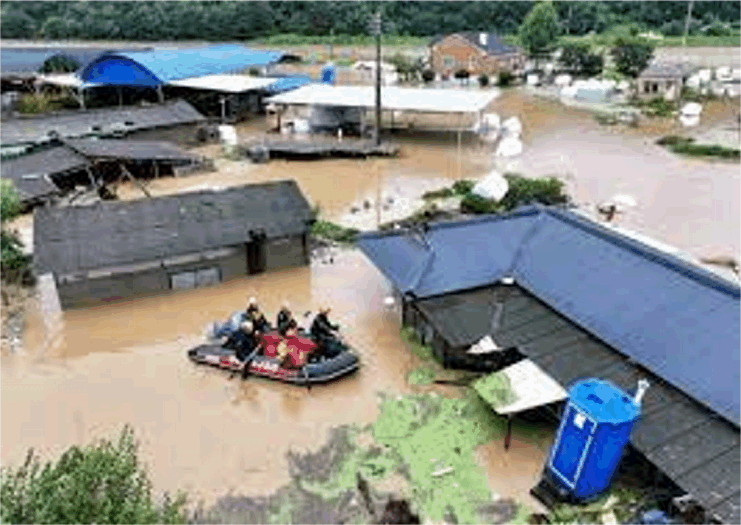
x=125, y=362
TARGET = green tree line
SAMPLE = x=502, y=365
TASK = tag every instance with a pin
x=226, y=21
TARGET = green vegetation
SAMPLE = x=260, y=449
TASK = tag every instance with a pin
x=463, y=187
x=496, y=390
x=333, y=232
x=101, y=483
x=483, y=80
x=443, y=193
x=478, y=205
x=577, y=58
x=631, y=56
x=540, y=29
x=686, y=146
x=733, y=40
x=299, y=23
x=505, y=78
x=12, y=258
x=655, y=107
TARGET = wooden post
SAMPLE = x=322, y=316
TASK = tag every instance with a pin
x=128, y=174
x=508, y=437
x=459, y=153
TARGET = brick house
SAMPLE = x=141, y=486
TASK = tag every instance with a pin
x=475, y=52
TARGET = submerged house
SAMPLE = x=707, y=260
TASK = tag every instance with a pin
x=664, y=79
x=580, y=299
x=474, y=52
x=114, y=250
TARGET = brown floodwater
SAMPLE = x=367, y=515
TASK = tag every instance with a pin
x=125, y=362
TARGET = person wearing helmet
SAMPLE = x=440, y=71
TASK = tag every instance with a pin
x=241, y=340
x=284, y=319
x=322, y=330
x=256, y=316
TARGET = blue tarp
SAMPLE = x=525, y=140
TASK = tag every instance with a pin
x=287, y=83
x=672, y=317
x=161, y=66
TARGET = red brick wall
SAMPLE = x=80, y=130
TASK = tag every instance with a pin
x=462, y=55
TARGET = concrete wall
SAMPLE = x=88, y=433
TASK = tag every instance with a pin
x=280, y=253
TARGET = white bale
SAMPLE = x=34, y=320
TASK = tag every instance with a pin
x=623, y=85
x=492, y=120
x=493, y=186
x=509, y=147
x=736, y=74
x=533, y=80
x=512, y=126
x=569, y=91
x=228, y=135
x=694, y=82
x=301, y=126
x=723, y=72
x=562, y=80
x=705, y=75
x=691, y=109
x=689, y=120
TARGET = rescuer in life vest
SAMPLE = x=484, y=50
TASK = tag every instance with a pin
x=241, y=341
x=285, y=319
x=256, y=316
x=322, y=331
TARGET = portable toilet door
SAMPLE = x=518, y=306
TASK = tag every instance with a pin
x=328, y=74
x=574, y=438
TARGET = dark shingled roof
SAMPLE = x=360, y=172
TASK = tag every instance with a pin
x=494, y=44
x=30, y=173
x=67, y=240
x=692, y=445
x=129, y=149
x=81, y=123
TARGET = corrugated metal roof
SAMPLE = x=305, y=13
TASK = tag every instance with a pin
x=668, y=70
x=30, y=172
x=81, y=123
x=225, y=83
x=162, y=66
x=396, y=98
x=68, y=240
x=684, y=439
x=676, y=319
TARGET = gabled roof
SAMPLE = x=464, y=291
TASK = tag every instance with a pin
x=81, y=123
x=80, y=238
x=674, y=318
x=494, y=44
x=30, y=173
x=668, y=70
x=151, y=68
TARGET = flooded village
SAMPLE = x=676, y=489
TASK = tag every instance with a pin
x=509, y=287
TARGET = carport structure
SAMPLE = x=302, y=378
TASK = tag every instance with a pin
x=154, y=68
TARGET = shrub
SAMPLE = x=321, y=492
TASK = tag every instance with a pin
x=11, y=248
x=705, y=150
x=659, y=107
x=428, y=76
x=483, y=80
x=672, y=140
x=101, y=483
x=438, y=194
x=505, y=78
x=717, y=28
x=472, y=203
x=673, y=28
x=548, y=191
x=463, y=187
x=333, y=232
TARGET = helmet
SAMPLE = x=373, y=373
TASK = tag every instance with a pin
x=286, y=305
x=325, y=309
x=246, y=326
x=252, y=301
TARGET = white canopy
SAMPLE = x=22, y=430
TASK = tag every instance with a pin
x=527, y=387
x=485, y=346
x=225, y=83
x=61, y=79
x=392, y=98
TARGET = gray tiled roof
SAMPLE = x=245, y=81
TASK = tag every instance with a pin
x=71, y=239
x=81, y=123
x=668, y=70
x=30, y=172
x=693, y=446
x=128, y=149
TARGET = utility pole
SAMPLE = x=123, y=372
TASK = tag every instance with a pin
x=687, y=23
x=376, y=29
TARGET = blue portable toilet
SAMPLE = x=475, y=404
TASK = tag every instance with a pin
x=328, y=74
x=595, y=427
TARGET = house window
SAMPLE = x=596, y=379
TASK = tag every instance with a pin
x=195, y=278
x=655, y=87
x=646, y=87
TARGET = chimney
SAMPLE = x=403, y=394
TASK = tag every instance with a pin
x=643, y=385
x=483, y=39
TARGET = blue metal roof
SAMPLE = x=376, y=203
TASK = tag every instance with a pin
x=156, y=67
x=287, y=83
x=674, y=318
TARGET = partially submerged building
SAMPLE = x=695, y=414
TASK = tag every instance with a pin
x=475, y=52
x=664, y=79
x=114, y=250
x=580, y=299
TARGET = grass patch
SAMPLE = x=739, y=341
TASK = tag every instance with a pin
x=673, y=140
x=422, y=376
x=409, y=336
x=496, y=389
x=706, y=150
x=333, y=232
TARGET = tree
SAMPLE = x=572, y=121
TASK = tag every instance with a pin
x=539, y=31
x=631, y=57
x=15, y=23
x=11, y=248
x=55, y=27
x=100, y=483
x=576, y=58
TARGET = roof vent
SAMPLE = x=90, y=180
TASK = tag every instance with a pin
x=483, y=39
x=643, y=385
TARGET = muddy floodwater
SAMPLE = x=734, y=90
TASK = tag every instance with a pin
x=124, y=362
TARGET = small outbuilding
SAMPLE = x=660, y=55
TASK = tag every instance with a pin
x=115, y=250
x=664, y=79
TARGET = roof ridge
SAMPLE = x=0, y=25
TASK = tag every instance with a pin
x=653, y=255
